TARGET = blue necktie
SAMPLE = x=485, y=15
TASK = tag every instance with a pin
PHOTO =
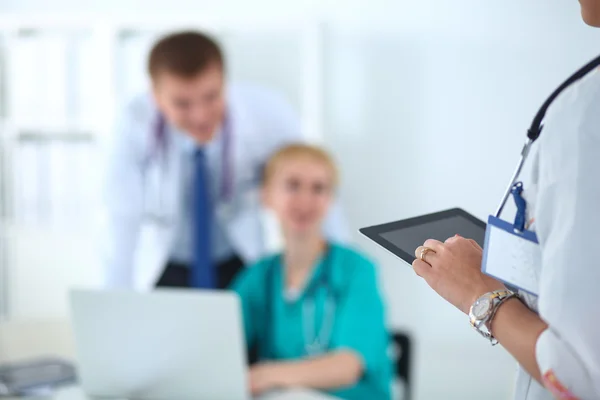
x=202, y=274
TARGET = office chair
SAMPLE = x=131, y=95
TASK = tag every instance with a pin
x=402, y=355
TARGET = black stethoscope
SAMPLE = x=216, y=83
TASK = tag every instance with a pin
x=537, y=125
x=316, y=341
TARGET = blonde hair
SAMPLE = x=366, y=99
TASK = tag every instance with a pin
x=300, y=150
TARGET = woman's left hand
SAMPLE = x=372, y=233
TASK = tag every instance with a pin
x=453, y=270
x=265, y=377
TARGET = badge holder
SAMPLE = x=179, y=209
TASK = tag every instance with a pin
x=511, y=252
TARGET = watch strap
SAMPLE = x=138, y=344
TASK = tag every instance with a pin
x=501, y=300
x=498, y=297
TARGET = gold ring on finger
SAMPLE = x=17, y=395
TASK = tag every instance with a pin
x=424, y=251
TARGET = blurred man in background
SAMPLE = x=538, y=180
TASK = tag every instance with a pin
x=184, y=170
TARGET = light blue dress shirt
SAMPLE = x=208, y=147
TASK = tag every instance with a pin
x=182, y=251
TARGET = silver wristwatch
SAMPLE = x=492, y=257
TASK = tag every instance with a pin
x=483, y=310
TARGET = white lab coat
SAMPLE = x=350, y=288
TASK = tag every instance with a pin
x=563, y=197
x=144, y=197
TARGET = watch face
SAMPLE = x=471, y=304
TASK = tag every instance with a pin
x=482, y=307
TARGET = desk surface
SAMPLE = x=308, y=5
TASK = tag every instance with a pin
x=75, y=393
x=26, y=339
x=22, y=340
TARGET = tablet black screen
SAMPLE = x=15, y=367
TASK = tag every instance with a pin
x=408, y=239
x=403, y=237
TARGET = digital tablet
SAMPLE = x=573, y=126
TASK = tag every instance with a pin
x=403, y=237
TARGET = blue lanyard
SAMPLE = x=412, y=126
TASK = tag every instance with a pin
x=227, y=178
x=323, y=281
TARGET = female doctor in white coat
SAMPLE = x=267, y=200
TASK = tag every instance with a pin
x=182, y=203
x=555, y=335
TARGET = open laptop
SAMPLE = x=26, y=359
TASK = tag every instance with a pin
x=161, y=345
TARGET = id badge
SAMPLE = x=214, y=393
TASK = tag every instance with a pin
x=512, y=256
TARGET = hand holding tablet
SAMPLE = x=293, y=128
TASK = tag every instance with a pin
x=445, y=249
x=403, y=237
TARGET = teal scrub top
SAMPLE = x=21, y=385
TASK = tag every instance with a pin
x=359, y=317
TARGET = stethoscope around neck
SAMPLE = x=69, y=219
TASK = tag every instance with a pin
x=157, y=212
x=316, y=340
x=537, y=125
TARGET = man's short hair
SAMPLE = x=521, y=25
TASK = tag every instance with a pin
x=185, y=54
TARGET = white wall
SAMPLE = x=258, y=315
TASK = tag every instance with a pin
x=427, y=104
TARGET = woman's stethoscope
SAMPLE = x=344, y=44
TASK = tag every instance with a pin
x=316, y=341
x=158, y=212
x=536, y=127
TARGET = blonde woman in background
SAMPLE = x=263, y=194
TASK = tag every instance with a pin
x=315, y=311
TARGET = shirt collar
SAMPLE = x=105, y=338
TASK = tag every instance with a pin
x=188, y=145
